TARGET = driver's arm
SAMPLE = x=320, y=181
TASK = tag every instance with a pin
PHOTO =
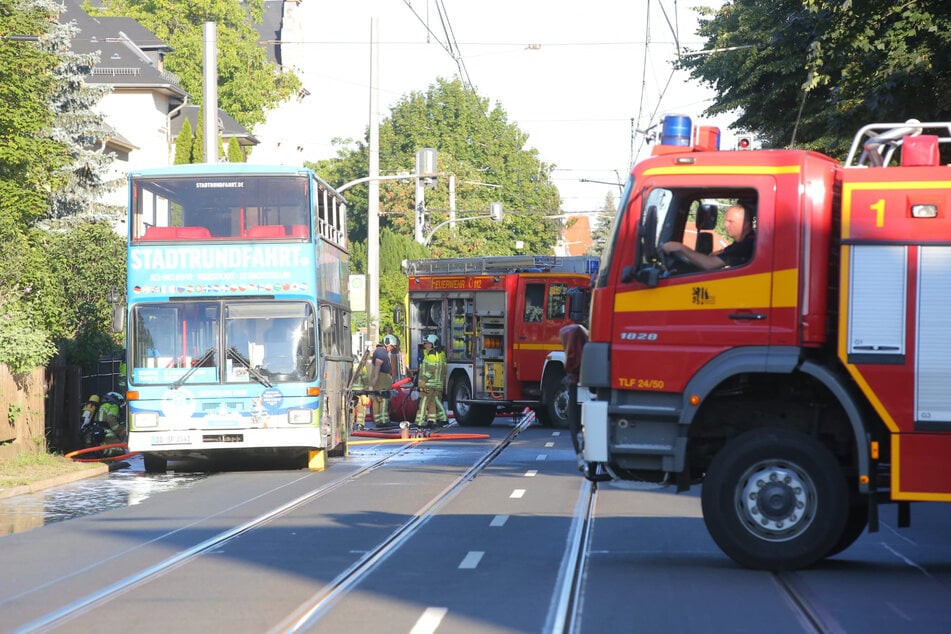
x=700, y=260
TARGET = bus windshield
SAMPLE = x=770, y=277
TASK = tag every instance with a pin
x=266, y=341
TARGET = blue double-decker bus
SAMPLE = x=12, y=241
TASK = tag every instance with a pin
x=238, y=332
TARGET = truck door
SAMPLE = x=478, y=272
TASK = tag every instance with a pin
x=539, y=315
x=672, y=317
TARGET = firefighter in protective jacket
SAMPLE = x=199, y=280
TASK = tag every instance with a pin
x=431, y=382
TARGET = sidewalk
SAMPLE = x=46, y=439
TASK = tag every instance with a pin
x=90, y=471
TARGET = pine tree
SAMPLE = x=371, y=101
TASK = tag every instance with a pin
x=82, y=130
x=234, y=151
x=184, y=143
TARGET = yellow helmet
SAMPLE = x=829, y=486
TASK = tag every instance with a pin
x=94, y=398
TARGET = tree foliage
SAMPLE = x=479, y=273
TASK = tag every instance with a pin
x=50, y=282
x=184, y=143
x=248, y=85
x=30, y=159
x=605, y=224
x=808, y=73
x=487, y=155
x=490, y=161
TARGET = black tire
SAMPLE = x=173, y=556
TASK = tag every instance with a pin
x=155, y=463
x=468, y=415
x=775, y=499
x=854, y=527
x=555, y=395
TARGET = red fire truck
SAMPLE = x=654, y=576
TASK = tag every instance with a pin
x=803, y=386
x=497, y=319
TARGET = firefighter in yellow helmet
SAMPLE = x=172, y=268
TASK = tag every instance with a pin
x=431, y=382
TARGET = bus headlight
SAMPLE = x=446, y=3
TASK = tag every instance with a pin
x=144, y=420
x=300, y=416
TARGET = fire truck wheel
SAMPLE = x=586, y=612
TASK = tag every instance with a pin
x=155, y=463
x=775, y=499
x=854, y=527
x=555, y=394
x=468, y=415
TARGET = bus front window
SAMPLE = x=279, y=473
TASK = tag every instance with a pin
x=170, y=340
x=270, y=340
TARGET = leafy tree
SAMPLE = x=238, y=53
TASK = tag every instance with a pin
x=184, y=143
x=479, y=146
x=604, y=226
x=29, y=164
x=476, y=144
x=807, y=73
x=29, y=158
x=248, y=85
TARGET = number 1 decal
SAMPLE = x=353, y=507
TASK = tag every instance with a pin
x=879, y=208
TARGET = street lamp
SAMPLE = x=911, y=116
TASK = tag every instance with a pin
x=495, y=214
x=428, y=177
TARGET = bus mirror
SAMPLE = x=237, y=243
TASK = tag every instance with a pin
x=397, y=314
x=578, y=299
x=326, y=319
x=118, y=318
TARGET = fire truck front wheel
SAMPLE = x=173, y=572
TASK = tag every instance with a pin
x=555, y=395
x=775, y=499
x=466, y=414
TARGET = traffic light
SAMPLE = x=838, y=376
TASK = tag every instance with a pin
x=744, y=142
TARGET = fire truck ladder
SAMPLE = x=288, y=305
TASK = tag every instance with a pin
x=501, y=264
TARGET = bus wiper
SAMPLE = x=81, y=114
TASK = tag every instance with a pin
x=195, y=365
x=237, y=356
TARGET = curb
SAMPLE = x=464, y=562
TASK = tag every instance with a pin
x=63, y=478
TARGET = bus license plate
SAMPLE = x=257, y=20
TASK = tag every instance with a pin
x=170, y=439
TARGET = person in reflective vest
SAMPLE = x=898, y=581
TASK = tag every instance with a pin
x=381, y=382
x=431, y=382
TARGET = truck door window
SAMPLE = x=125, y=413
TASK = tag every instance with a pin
x=557, y=298
x=707, y=229
x=534, y=302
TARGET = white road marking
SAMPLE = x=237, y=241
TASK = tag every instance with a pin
x=549, y=444
x=531, y=473
x=471, y=560
x=517, y=493
x=499, y=520
x=541, y=456
x=429, y=621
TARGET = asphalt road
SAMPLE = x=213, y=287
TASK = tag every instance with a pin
x=441, y=537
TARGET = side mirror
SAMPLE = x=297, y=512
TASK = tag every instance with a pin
x=397, y=314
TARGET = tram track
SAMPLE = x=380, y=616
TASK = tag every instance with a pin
x=308, y=613
x=809, y=612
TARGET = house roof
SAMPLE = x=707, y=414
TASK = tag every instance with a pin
x=129, y=54
x=130, y=58
x=228, y=126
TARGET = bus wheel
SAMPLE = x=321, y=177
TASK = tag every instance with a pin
x=775, y=499
x=555, y=393
x=466, y=414
x=155, y=463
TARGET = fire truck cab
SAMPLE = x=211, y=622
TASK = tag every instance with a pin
x=497, y=318
x=802, y=386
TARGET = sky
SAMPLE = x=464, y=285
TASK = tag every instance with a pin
x=571, y=75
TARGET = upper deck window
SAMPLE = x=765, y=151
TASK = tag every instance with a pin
x=227, y=207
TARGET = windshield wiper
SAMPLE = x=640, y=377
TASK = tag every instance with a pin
x=237, y=356
x=195, y=365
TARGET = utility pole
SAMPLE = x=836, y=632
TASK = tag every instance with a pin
x=373, y=197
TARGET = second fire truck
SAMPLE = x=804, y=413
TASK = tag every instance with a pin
x=498, y=320
x=804, y=386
